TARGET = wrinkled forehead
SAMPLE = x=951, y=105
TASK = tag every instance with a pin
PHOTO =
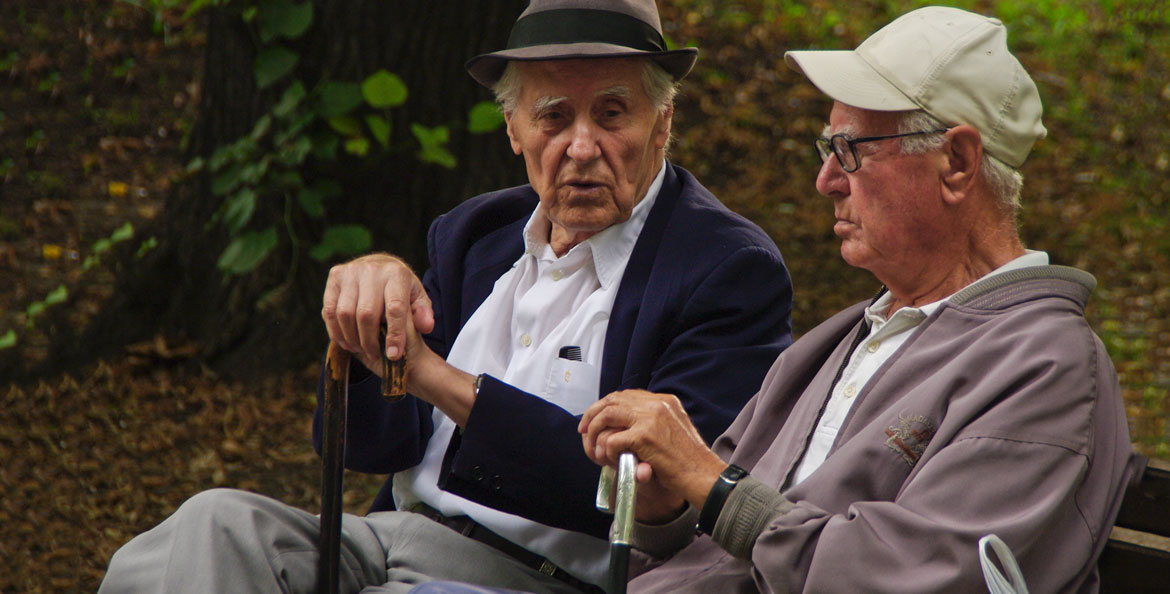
x=855, y=121
x=580, y=78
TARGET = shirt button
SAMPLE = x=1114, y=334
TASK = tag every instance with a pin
x=873, y=346
x=556, y=274
x=850, y=390
x=567, y=374
x=526, y=340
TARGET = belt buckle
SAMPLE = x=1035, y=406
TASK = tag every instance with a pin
x=547, y=568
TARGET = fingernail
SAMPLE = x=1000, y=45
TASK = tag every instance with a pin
x=391, y=352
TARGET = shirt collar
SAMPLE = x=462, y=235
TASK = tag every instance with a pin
x=611, y=247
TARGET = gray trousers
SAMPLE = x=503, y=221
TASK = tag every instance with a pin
x=223, y=541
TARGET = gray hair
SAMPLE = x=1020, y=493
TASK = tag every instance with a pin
x=659, y=85
x=1006, y=182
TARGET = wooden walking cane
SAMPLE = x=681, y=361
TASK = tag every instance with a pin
x=333, y=455
x=623, y=517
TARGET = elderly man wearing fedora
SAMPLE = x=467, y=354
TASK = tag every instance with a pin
x=969, y=398
x=613, y=269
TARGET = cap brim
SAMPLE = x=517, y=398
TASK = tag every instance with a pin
x=486, y=69
x=846, y=78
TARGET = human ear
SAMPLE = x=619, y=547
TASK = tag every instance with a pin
x=964, y=160
x=511, y=133
x=663, y=133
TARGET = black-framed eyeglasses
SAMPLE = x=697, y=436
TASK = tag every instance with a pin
x=845, y=148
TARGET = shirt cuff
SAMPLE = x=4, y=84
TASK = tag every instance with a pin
x=663, y=540
x=750, y=507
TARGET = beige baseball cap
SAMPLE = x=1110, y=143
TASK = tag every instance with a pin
x=953, y=64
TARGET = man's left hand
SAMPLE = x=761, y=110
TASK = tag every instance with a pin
x=674, y=461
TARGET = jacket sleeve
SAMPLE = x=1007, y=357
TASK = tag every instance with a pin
x=523, y=455
x=1017, y=490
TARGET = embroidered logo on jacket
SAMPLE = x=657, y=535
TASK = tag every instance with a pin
x=910, y=437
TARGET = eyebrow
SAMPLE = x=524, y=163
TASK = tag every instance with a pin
x=614, y=91
x=545, y=103
x=847, y=130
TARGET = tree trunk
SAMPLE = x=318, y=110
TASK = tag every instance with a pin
x=269, y=319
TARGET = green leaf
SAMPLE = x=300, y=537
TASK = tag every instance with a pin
x=384, y=89
x=33, y=310
x=101, y=246
x=294, y=153
x=239, y=209
x=262, y=126
x=432, y=141
x=345, y=125
x=196, y=165
x=247, y=251
x=325, y=146
x=220, y=157
x=343, y=240
x=272, y=64
x=312, y=199
x=286, y=180
x=338, y=98
x=358, y=145
x=8, y=340
x=58, y=295
x=484, y=117
x=379, y=129
x=253, y=172
x=126, y=231
x=226, y=181
x=289, y=100
x=286, y=19
x=148, y=244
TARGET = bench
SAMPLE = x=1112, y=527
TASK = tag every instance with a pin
x=1137, y=556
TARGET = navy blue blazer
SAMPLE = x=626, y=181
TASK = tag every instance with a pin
x=701, y=312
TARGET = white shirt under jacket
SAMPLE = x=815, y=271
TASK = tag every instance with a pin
x=886, y=336
x=542, y=304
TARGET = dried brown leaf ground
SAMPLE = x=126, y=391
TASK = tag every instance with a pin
x=88, y=462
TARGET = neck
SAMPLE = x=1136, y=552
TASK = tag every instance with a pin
x=561, y=240
x=934, y=282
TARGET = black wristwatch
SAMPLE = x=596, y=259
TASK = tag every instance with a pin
x=718, y=497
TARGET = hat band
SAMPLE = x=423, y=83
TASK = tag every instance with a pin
x=584, y=25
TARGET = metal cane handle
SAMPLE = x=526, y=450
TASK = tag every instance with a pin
x=622, y=508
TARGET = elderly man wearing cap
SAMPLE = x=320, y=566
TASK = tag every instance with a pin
x=969, y=398
x=613, y=269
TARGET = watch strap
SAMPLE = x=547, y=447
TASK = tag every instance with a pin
x=717, y=497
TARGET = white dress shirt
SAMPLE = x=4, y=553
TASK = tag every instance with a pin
x=886, y=336
x=542, y=304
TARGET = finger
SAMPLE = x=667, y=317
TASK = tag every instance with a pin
x=347, y=295
x=368, y=315
x=421, y=309
x=644, y=473
x=589, y=414
x=329, y=308
x=397, y=310
x=610, y=416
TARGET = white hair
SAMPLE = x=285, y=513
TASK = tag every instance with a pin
x=1005, y=181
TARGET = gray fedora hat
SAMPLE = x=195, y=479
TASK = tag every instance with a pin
x=564, y=29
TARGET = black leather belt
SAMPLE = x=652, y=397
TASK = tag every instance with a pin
x=477, y=532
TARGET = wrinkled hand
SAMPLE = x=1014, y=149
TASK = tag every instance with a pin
x=361, y=293
x=674, y=461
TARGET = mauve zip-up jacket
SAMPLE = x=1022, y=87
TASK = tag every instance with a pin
x=1001, y=414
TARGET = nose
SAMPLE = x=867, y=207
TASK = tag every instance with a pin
x=583, y=145
x=831, y=179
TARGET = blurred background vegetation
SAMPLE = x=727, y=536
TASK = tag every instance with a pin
x=105, y=144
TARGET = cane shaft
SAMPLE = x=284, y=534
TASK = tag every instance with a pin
x=332, y=456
